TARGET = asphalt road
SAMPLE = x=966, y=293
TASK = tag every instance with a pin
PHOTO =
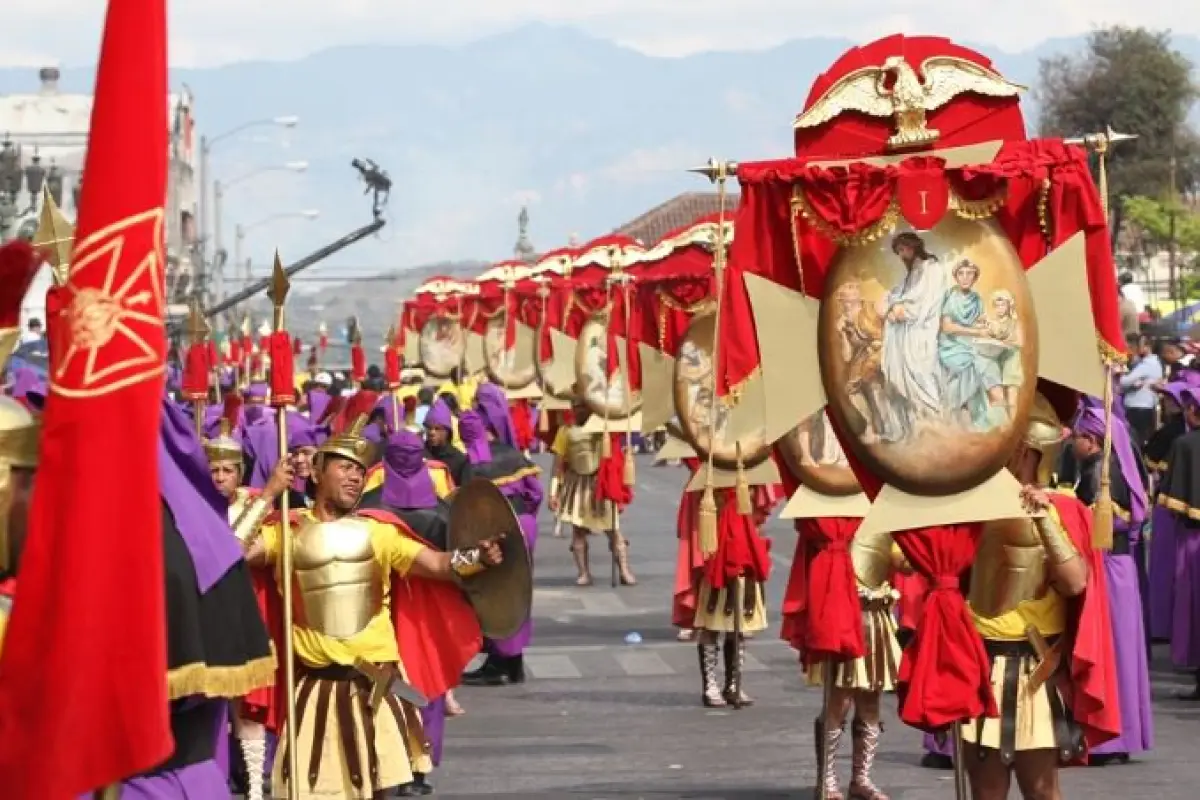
x=600, y=718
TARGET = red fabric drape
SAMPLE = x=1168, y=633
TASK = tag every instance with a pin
x=741, y=549
x=1094, y=701
x=85, y=656
x=358, y=363
x=833, y=620
x=391, y=367
x=283, y=377
x=195, y=373
x=522, y=419
x=610, y=479
x=945, y=675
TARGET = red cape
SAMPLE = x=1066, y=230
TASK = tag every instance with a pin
x=437, y=632
x=1093, y=668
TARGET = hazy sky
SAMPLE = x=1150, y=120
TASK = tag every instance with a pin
x=206, y=32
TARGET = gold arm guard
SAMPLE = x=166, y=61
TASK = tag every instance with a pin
x=466, y=562
x=247, y=526
x=1059, y=547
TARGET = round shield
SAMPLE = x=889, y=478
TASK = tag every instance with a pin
x=543, y=369
x=604, y=390
x=442, y=346
x=815, y=457
x=928, y=347
x=698, y=420
x=509, y=366
x=502, y=596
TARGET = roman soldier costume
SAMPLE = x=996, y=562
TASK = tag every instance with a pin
x=589, y=493
x=358, y=609
x=1029, y=626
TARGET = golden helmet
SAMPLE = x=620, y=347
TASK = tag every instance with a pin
x=223, y=448
x=349, y=444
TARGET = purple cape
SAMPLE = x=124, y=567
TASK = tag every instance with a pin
x=201, y=513
x=406, y=481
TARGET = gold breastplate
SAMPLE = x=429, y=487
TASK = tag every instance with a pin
x=583, y=457
x=338, y=580
x=872, y=558
x=1009, y=568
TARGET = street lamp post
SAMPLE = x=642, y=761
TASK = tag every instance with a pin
x=219, y=190
x=206, y=146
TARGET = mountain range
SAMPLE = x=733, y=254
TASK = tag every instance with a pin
x=586, y=133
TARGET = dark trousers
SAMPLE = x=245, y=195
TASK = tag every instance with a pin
x=1142, y=422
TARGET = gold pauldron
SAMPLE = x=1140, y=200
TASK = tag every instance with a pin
x=249, y=523
x=1059, y=547
x=467, y=561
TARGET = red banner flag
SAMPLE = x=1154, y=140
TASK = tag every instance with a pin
x=83, y=689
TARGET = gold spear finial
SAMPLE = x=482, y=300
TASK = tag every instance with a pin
x=278, y=291
x=197, y=326
x=55, y=237
x=716, y=170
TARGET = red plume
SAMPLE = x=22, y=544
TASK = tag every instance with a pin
x=18, y=264
x=391, y=367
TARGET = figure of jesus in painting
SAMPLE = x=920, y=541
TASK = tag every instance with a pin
x=860, y=327
x=969, y=378
x=912, y=313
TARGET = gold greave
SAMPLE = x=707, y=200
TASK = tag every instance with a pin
x=1059, y=547
x=579, y=551
x=827, y=741
x=620, y=550
x=866, y=745
x=711, y=693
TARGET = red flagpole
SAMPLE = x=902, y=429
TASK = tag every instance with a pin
x=83, y=691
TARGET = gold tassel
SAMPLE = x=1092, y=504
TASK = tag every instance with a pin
x=543, y=420
x=708, y=521
x=1102, y=513
x=744, y=506
x=606, y=443
x=630, y=469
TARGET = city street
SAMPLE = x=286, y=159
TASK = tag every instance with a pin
x=600, y=718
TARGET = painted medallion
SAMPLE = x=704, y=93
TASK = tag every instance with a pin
x=815, y=457
x=699, y=423
x=504, y=364
x=605, y=394
x=442, y=346
x=928, y=352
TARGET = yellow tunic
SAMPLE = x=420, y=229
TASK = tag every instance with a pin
x=376, y=642
x=559, y=448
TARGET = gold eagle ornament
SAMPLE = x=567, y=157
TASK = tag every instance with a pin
x=910, y=98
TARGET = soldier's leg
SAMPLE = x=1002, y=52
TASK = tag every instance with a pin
x=252, y=740
x=988, y=775
x=865, y=731
x=1037, y=774
x=579, y=550
x=709, y=651
x=620, y=551
x=829, y=729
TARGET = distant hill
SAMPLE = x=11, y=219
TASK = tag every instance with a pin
x=588, y=134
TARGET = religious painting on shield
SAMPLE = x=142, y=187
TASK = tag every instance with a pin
x=506, y=365
x=604, y=389
x=928, y=350
x=815, y=456
x=700, y=424
x=442, y=346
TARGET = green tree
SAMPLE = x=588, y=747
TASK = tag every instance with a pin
x=1161, y=225
x=1131, y=79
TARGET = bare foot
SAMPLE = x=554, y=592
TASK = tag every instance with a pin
x=453, y=709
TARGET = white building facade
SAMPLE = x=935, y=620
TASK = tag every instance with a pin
x=43, y=139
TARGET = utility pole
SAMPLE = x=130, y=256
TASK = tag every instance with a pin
x=1172, y=214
